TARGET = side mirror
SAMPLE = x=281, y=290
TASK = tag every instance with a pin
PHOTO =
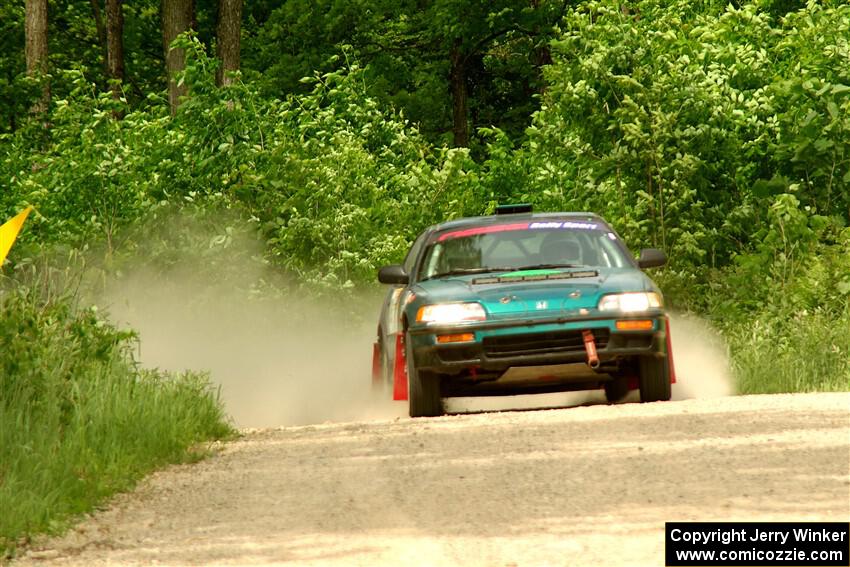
x=393, y=274
x=651, y=258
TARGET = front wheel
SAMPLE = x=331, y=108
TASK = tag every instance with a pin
x=654, y=379
x=423, y=390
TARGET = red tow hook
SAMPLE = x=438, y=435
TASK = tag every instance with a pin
x=590, y=347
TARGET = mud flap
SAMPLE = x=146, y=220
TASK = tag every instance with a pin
x=633, y=380
x=670, y=351
x=400, y=370
x=376, y=365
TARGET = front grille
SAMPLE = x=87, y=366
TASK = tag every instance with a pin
x=553, y=342
x=457, y=354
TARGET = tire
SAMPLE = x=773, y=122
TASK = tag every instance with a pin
x=616, y=389
x=654, y=379
x=423, y=391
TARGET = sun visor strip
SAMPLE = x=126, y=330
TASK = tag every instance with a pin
x=535, y=277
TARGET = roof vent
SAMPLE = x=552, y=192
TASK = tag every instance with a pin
x=514, y=209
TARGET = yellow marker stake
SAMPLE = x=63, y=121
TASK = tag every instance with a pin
x=9, y=232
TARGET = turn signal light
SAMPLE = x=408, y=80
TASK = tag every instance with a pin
x=635, y=325
x=458, y=338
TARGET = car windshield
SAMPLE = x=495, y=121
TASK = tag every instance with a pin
x=527, y=245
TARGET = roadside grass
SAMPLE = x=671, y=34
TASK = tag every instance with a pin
x=806, y=352
x=79, y=420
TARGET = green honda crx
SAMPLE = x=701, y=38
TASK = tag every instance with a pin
x=518, y=303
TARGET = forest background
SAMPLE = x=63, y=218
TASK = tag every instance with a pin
x=334, y=131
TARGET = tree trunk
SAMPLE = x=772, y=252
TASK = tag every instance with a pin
x=36, y=49
x=228, y=31
x=101, y=32
x=542, y=58
x=177, y=17
x=460, y=104
x=542, y=54
x=115, y=46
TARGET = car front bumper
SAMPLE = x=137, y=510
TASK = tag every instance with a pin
x=499, y=345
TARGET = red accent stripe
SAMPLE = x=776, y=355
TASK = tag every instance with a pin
x=483, y=230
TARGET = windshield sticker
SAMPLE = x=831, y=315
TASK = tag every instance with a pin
x=517, y=226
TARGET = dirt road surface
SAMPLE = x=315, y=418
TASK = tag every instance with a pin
x=579, y=486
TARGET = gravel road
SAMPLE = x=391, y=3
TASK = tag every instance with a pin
x=579, y=486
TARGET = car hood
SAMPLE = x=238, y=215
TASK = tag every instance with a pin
x=533, y=293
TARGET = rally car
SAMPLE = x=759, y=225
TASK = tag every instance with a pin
x=521, y=302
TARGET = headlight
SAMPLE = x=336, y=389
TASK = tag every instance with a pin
x=630, y=302
x=446, y=313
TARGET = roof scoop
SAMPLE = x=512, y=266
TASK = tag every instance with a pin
x=514, y=209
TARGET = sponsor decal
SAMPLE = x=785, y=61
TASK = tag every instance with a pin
x=540, y=225
x=563, y=224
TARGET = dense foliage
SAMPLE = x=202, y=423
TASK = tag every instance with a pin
x=407, y=47
x=720, y=135
x=717, y=131
x=335, y=184
x=696, y=124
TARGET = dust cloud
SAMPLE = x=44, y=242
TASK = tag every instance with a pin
x=701, y=360
x=277, y=362
x=280, y=358
x=292, y=362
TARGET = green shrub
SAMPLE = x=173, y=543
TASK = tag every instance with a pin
x=681, y=122
x=78, y=419
x=336, y=184
x=804, y=352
